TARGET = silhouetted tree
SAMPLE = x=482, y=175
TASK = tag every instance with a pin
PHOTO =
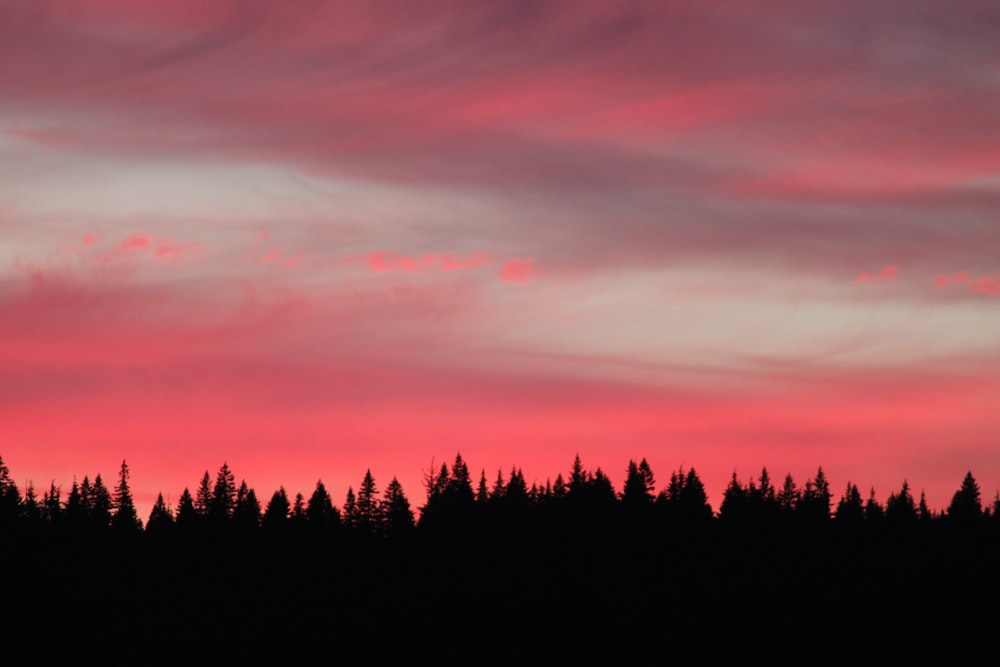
x=161, y=519
x=397, y=516
x=276, y=514
x=368, y=518
x=30, y=510
x=51, y=505
x=639, y=488
x=100, y=511
x=203, y=496
x=10, y=497
x=734, y=501
x=75, y=512
x=559, y=488
x=350, y=515
x=187, y=515
x=482, y=490
x=966, y=505
x=223, y=499
x=814, y=504
x=788, y=496
x=125, y=518
x=297, y=519
x=322, y=515
x=246, y=514
x=499, y=486
x=874, y=512
x=924, y=514
x=851, y=508
x=900, y=508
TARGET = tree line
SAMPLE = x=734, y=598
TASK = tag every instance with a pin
x=453, y=500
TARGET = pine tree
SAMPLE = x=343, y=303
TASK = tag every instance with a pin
x=125, y=518
x=900, y=508
x=203, y=497
x=499, y=486
x=187, y=515
x=76, y=514
x=276, y=514
x=102, y=504
x=734, y=501
x=161, y=519
x=397, y=515
x=789, y=496
x=874, y=512
x=298, y=516
x=460, y=484
x=29, y=508
x=350, y=514
x=51, y=505
x=246, y=514
x=320, y=511
x=966, y=505
x=482, y=491
x=638, y=488
x=924, y=514
x=223, y=499
x=851, y=508
x=368, y=518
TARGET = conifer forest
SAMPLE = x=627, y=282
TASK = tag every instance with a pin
x=490, y=569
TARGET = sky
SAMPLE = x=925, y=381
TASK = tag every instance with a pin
x=312, y=238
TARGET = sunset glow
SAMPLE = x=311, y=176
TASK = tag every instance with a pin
x=308, y=239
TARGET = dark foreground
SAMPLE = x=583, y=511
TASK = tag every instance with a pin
x=615, y=593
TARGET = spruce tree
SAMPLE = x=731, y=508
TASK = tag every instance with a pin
x=397, y=517
x=276, y=514
x=368, y=518
x=223, y=498
x=125, y=518
x=203, y=496
x=320, y=512
x=966, y=505
x=102, y=504
x=161, y=519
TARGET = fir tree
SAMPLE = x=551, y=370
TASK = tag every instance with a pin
x=276, y=514
x=397, y=516
x=368, y=518
x=161, y=519
x=246, y=514
x=101, y=504
x=203, y=497
x=320, y=511
x=223, y=499
x=966, y=505
x=125, y=518
x=187, y=515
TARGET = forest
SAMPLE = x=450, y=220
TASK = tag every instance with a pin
x=493, y=569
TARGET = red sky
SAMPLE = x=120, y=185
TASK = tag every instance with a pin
x=311, y=238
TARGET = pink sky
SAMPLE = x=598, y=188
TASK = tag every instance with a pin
x=311, y=238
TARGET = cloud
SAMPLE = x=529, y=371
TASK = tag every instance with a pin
x=518, y=270
x=888, y=274
x=388, y=261
x=975, y=284
x=157, y=247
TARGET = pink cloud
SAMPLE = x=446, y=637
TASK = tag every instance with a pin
x=518, y=270
x=986, y=285
x=158, y=247
x=887, y=274
x=961, y=278
x=387, y=261
x=975, y=284
x=276, y=256
x=89, y=239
